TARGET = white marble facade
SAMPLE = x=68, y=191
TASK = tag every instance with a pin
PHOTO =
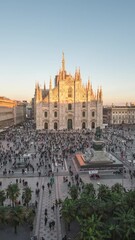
x=69, y=105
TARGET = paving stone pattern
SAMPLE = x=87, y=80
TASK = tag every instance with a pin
x=46, y=201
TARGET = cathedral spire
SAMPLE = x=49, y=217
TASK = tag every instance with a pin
x=44, y=86
x=89, y=84
x=79, y=72
x=38, y=93
x=76, y=74
x=97, y=93
x=36, y=85
x=50, y=86
x=63, y=62
x=91, y=89
x=100, y=94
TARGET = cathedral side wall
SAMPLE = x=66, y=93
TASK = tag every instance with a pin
x=99, y=114
x=39, y=116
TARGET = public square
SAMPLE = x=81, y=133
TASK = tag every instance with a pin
x=49, y=156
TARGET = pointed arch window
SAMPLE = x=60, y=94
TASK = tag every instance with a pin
x=70, y=92
x=69, y=106
x=55, y=105
x=83, y=125
x=46, y=125
x=46, y=114
x=93, y=125
x=55, y=126
x=84, y=104
x=93, y=114
x=83, y=114
x=55, y=114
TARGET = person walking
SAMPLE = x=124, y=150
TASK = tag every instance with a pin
x=46, y=220
x=50, y=225
x=46, y=212
x=52, y=207
x=53, y=224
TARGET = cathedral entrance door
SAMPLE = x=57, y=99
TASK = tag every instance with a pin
x=69, y=124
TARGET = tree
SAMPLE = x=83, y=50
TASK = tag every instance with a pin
x=126, y=220
x=13, y=193
x=3, y=211
x=16, y=216
x=130, y=198
x=2, y=197
x=89, y=190
x=92, y=228
x=73, y=192
x=27, y=195
x=118, y=188
x=29, y=215
x=109, y=215
x=68, y=211
x=104, y=192
x=86, y=206
x=115, y=231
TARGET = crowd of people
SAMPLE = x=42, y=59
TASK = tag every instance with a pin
x=39, y=151
x=23, y=150
x=120, y=141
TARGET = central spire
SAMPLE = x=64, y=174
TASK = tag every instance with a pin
x=63, y=62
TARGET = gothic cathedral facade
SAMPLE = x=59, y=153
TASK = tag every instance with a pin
x=69, y=104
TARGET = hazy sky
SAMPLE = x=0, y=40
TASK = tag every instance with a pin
x=96, y=35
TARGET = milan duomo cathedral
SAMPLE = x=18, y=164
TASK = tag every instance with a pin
x=69, y=104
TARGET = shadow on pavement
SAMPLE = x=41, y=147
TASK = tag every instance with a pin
x=7, y=233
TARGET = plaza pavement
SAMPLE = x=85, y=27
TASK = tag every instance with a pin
x=59, y=190
x=45, y=201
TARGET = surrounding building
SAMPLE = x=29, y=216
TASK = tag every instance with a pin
x=28, y=108
x=11, y=112
x=33, y=114
x=6, y=112
x=69, y=105
x=123, y=114
x=29, y=111
x=119, y=114
x=107, y=114
x=19, y=112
